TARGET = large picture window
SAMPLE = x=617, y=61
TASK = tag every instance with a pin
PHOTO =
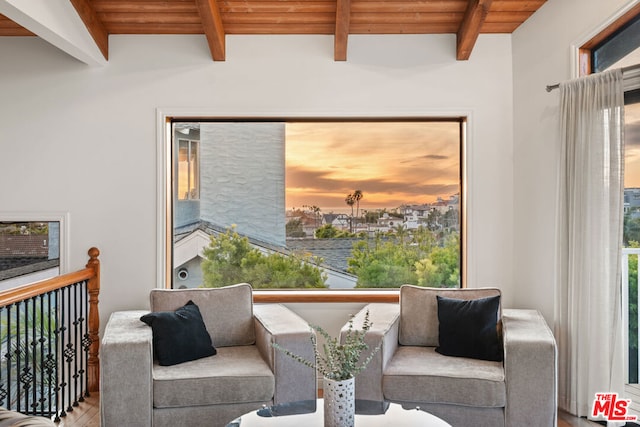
x=327, y=204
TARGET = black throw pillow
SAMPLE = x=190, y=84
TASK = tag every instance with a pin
x=179, y=336
x=468, y=328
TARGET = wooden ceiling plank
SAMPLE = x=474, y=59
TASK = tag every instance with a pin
x=516, y=5
x=276, y=18
x=213, y=28
x=150, y=17
x=231, y=6
x=265, y=29
x=173, y=28
x=470, y=28
x=511, y=17
x=141, y=6
x=94, y=25
x=343, y=21
x=406, y=18
x=408, y=6
x=438, y=28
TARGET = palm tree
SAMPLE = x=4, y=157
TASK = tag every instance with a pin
x=401, y=232
x=350, y=200
x=316, y=212
x=357, y=196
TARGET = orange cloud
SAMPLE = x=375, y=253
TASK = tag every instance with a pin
x=391, y=162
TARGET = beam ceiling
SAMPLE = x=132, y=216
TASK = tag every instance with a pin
x=215, y=19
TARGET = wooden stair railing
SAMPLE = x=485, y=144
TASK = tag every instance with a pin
x=89, y=276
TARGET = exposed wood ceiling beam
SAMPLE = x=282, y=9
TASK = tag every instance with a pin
x=467, y=35
x=213, y=28
x=343, y=20
x=93, y=24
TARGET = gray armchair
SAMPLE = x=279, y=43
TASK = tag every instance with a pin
x=246, y=372
x=520, y=390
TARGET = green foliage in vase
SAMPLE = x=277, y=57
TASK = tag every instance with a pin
x=339, y=361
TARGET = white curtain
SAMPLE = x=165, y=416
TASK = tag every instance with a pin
x=588, y=323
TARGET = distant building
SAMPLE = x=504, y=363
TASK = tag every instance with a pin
x=339, y=221
x=631, y=199
x=25, y=258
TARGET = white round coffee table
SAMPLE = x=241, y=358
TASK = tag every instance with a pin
x=369, y=414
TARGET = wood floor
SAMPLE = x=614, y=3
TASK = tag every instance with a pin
x=88, y=415
x=568, y=420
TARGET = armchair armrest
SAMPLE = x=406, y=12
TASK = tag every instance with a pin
x=275, y=323
x=530, y=358
x=126, y=395
x=384, y=320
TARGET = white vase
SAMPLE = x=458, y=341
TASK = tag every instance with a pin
x=339, y=402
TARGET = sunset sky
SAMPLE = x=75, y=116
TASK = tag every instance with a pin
x=392, y=163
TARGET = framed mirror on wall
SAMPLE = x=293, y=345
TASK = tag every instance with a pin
x=33, y=247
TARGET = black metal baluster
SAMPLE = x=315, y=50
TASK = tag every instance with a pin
x=69, y=351
x=3, y=388
x=8, y=356
x=87, y=338
x=56, y=359
x=76, y=341
x=40, y=356
x=82, y=343
x=34, y=357
x=49, y=359
x=17, y=356
x=40, y=366
x=62, y=340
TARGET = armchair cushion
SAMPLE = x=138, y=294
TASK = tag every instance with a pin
x=469, y=328
x=179, y=336
x=234, y=375
x=419, y=311
x=419, y=374
x=227, y=312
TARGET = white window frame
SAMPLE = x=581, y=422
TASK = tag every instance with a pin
x=60, y=217
x=164, y=118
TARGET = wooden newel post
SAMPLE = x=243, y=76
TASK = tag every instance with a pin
x=93, y=368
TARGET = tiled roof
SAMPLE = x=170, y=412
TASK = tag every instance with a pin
x=334, y=252
x=24, y=245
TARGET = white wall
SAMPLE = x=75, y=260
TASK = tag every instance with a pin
x=83, y=140
x=542, y=55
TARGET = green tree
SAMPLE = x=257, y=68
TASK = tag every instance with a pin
x=371, y=217
x=294, y=228
x=316, y=212
x=631, y=229
x=230, y=259
x=633, y=314
x=409, y=258
x=328, y=231
x=434, y=219
x=442, y=267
